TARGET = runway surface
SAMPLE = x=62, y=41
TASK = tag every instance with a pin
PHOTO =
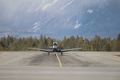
x=31, y=65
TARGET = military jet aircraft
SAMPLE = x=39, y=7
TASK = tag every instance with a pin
x=55, y=49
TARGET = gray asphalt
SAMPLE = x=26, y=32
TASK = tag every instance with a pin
x=69, y=59
x=35, y=65
x=57, y=73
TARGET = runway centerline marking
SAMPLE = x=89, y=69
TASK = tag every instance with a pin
x=59, y=60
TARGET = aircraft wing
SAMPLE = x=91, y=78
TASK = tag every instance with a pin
x=70, y=49
x=40, y=49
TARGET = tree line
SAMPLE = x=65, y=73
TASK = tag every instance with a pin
x=11, y=43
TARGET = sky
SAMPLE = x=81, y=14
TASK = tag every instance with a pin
x=59, y=18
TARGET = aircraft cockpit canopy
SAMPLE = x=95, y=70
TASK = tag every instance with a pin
x=55, y=43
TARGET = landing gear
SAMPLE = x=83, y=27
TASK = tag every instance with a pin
x=48, y=54
x=55, y=54
x=61, y=54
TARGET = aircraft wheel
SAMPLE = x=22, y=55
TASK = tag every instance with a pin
x=48, y=54
x=55, y=54
x=61, y=54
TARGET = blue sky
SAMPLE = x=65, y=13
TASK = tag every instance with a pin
x=59, y=18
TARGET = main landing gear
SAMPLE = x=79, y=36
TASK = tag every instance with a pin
x=48, y=54
x=61, y=54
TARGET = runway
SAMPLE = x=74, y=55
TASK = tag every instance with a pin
x=57, y=73
x=69, y=59
x=36, y=65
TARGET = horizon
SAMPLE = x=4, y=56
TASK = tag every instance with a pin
x=88, y=38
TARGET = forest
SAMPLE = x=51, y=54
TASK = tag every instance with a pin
x=11, y=43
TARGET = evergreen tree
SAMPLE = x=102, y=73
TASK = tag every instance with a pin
x=7, y=43
x=64, y=43
x=68, y=43
x=49, y=42
x=40, y=42
x=86, y=45
x=35, y=42
x=108, y=47
x=3, y=40
x=113, y=44
x=1, y=46
x=72, y=42
x=45, y=42
x=77, y=39
x=118, y=43
x=96, y=44
x=80, y=42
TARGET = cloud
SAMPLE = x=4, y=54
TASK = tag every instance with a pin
x=90, y=11
x=47, y=5
x=66, y=5
x=77, y=25
x=36, y=26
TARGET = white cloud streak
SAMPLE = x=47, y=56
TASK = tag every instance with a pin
x=77, y=25
x=66, y=5
x=90, y=11
x=47, y=5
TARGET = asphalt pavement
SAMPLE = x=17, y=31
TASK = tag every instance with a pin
x=36, y=65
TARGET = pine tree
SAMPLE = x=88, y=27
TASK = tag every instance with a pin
x=118, y=43
x=86, y=45
x=3, y=40
x=49, y=41
x=113, y=45
x=1, y=46
x=7, y=43
x=96, y=44
x=72, y=42
x=80, y=42
x=45, y=42
x=40, y=42
x=108, y=47
x=64, y=42
x=77, y=39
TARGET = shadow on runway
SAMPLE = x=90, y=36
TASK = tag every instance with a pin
x=43, y=60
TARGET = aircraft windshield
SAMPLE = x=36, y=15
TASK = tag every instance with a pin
x=55, y=43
